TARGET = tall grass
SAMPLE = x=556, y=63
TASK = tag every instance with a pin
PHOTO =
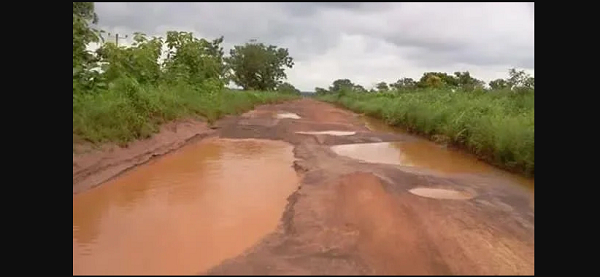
x=131, y=111
x=497, y=126
x=123, y=93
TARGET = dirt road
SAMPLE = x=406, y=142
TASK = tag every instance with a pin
x=352, y=217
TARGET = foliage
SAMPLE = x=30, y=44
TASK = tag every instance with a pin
x=341, y=85
x=113, y=116
x=499, y=84
x=382, y=87
x=83, y=34
x=433, y=81
x=83, y=15
x=436, y=80
x=194, y=60
x=466, y=82
x=287, y=88
x=404, y=84
x=124, y=93
x=359, y=88
x=320, y=91
x=518, y=81
x=497, y=126
x=258, y=66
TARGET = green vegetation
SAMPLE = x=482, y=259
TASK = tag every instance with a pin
x=495, y=124
x=258, y=66
x=124, y=93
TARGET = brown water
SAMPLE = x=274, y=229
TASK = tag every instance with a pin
x=185, y=212
x=422, y=153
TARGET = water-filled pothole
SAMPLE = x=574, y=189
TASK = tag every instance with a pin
x=441, y=193
x=423, y=154
x=185, y=212
x=331, y=133
x=288, y=115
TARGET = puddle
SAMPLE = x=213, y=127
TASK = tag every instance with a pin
x=185, y=212
x=423, y=153
x=331, y=133
x=441, y=193
x=415, y=153
x=288, y=115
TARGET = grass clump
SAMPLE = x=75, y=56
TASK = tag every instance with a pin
x=496, y=125
x=132, y=111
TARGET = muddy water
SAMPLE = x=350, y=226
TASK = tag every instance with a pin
x=185, y=212
x=422, y=153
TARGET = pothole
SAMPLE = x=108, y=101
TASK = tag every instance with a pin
x=288, y=115
x=384, y=153
x=224, y=184
x=441, y=193
x=331, y=133
x=419, y=154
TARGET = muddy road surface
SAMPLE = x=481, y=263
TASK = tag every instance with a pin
x=363, y=200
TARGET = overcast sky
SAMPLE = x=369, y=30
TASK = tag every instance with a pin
x=364, y=42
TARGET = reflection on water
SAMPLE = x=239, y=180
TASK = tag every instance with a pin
x=288, y=115
x=184, y=212
x=423, y=153
x=331, y=133
x=441, y=193
x=420, y=153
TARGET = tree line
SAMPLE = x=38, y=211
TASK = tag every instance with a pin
x=252, y=66
x=518, y=80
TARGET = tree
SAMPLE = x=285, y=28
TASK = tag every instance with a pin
x=498, y=84
x=258, y=66
x=287, y=88
x=341, y=84
x=321, y=91
x=83, y=34
x=466, y=82
x=140, y=61
x=441, y=79
x=382, y=86
x=404, y=84
x=193, y=59
x=359, y=89
x=432, y=81
x=519, y=79
x=83, y=15
x=530, y=83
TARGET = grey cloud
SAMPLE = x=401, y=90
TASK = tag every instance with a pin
x=441, y=37
x=472, y=56
x=435, y=34
x=237, y=22
x=310, y=8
